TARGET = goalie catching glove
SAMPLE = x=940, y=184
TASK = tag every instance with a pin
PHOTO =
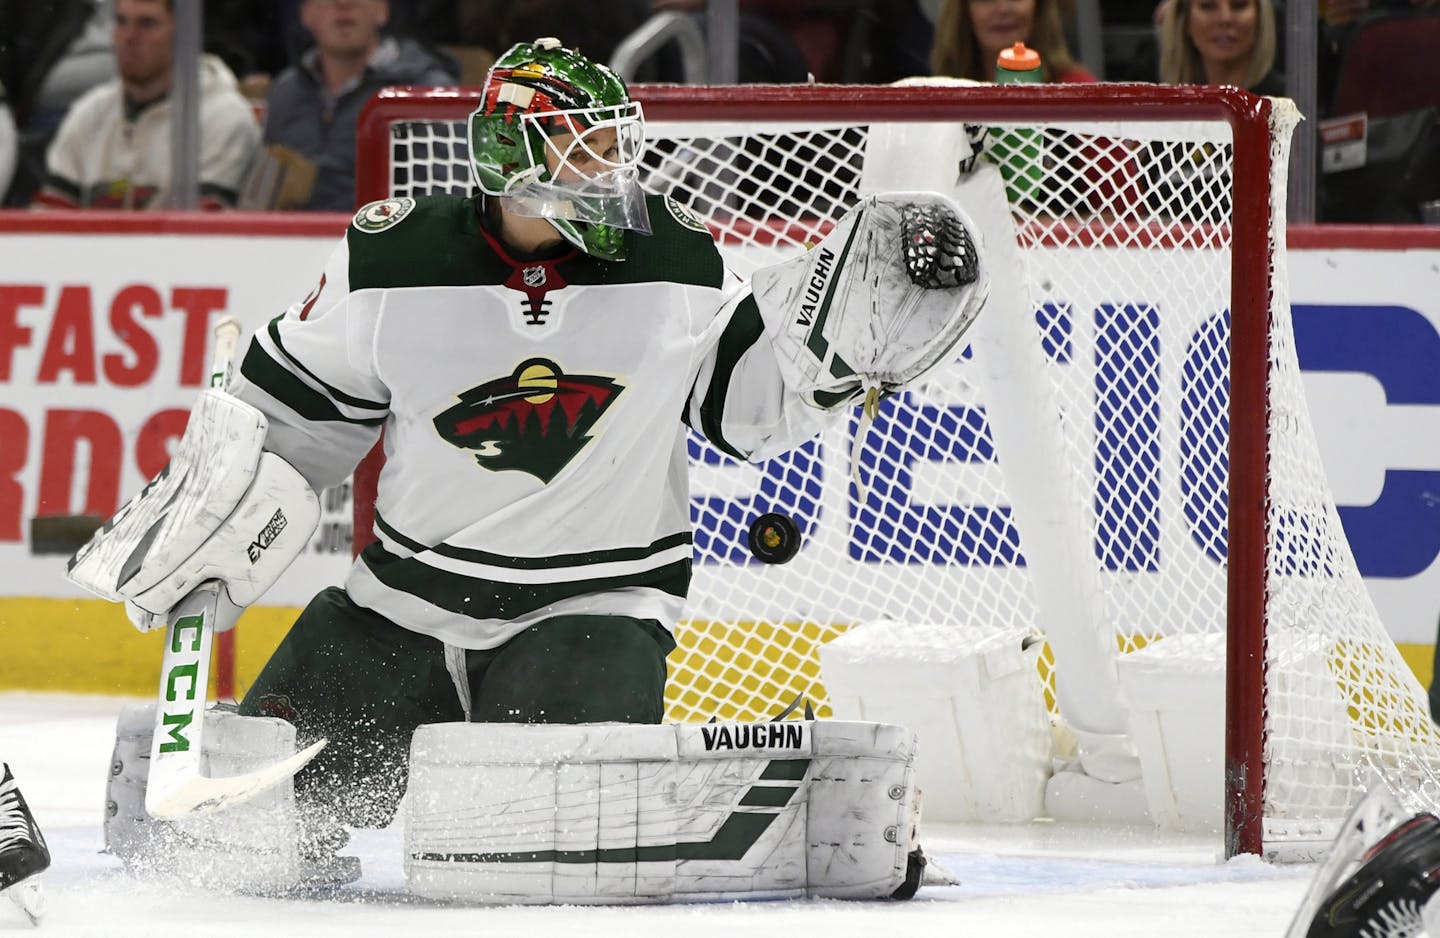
x=880, y=302
x=223, y=509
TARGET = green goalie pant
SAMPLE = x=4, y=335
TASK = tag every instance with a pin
x=353, y=677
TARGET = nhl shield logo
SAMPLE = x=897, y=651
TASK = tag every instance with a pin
x=534, y=276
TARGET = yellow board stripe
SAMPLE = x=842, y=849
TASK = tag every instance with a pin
x=87, y=646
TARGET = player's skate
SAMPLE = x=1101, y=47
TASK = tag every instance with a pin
x=321, y=864
x=23, y=854
x=1380, y=877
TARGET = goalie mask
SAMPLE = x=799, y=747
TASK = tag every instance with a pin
x=557, y=137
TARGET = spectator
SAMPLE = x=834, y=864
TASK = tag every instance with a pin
x=771, y=49
x=1345, y=12
x=467, y=30
x=443, y=22
x=113, y=148
x=850, y=43
x=1338, y=20
x=593, y=29
x=9, y=145
x=1220, y=42
x=1042, y=175
x=52, y=52
x=969, y=35
x=314, y=106
x=257, y=39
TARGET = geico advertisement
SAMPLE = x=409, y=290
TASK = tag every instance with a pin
x=106, y=338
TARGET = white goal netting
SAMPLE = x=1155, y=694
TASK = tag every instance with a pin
x=1096, y=479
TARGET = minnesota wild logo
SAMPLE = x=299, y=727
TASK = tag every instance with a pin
x=387, y=213
x=534, y=420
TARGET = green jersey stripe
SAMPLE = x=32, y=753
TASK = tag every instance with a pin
x=283, y=385
x=338, y=395
x=480, y=598
x=742, y=332
x=551, y=562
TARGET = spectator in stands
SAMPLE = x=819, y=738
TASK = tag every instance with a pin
x=52, y=52
x=1345, y=12
x=969, y=35
x=467, y=30
x=1220, y=42
x=1338, y=20
x=445, y=23
x=594, y=29
x=840, y=42
x=314, y=106
x=113, y=148
x=257, y=39
x=9, y=145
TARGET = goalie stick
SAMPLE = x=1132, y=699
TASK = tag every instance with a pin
x=177, y=784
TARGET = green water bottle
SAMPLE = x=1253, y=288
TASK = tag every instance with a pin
x=1018, y=151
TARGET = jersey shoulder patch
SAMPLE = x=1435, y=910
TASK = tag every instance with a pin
x=439, y=245
x=386, y=213
x=684, y=216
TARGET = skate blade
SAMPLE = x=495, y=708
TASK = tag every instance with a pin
x=29, y=896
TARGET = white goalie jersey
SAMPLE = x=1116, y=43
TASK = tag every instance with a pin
x=534, y=412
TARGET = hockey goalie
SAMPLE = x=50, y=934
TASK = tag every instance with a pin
x=534, y=355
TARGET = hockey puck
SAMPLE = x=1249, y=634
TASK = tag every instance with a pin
x=774, y=538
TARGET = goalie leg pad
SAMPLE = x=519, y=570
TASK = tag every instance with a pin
x=252, y=847
x=222, y=509
x=617, y=814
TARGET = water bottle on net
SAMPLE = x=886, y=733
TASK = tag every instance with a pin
x=1018, y=152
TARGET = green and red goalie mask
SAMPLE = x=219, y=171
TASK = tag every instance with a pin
x=557, y=137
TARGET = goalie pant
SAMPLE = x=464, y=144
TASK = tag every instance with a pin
x=596, y=813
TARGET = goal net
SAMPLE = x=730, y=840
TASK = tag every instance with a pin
x=1120, y=474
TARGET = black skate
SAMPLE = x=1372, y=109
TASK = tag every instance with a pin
x=23, y=854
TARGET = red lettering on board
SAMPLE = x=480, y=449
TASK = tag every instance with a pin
x=197, y=303
x=134, y=300
x=12, y=334
x=13, y=452
x=71, y=345
x=65, y=432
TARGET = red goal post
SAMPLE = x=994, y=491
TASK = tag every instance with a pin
x=1137, y=175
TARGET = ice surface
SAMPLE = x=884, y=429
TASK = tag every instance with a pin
x=1041, y=880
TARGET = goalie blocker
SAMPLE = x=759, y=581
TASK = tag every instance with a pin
x=222, y=509
x=617, y=814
